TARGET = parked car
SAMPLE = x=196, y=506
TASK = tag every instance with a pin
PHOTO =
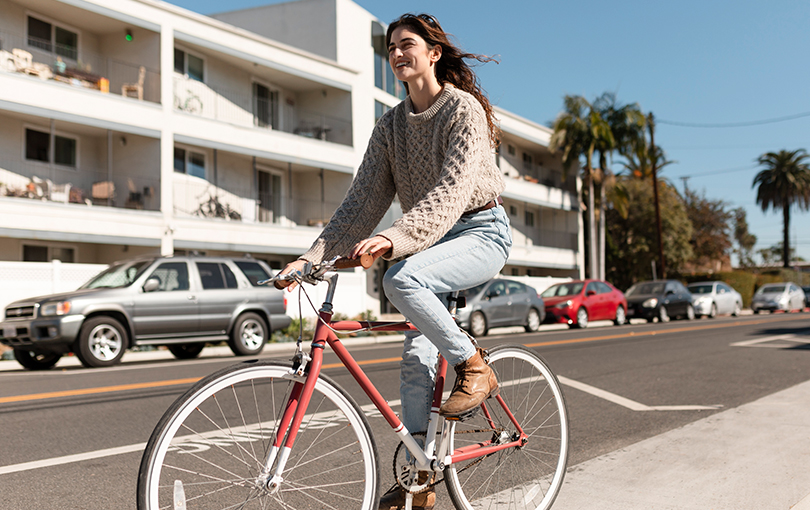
x=806, y=290
x=659, y=299
x=500, y=303
x=778, y=296
x=579, y=302
x=712, y=298
x=179, y=302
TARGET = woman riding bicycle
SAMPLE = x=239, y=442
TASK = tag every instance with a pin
x=434, y=151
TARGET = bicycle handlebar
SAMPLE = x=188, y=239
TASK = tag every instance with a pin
x=313, y=273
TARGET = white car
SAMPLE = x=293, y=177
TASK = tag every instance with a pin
x=778, y=296
x=712, y=298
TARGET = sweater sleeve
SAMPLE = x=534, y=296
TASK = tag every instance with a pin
x=432, y=216
x=364, y=205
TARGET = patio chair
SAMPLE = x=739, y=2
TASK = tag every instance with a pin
x=127, y=88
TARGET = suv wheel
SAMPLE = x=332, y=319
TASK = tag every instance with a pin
x=36, y=360
x=186, y=351
x=249, y=335
x=102, y=342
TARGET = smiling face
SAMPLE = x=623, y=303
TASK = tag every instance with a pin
x=410, y=57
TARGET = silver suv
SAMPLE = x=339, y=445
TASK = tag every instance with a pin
x=180, y=302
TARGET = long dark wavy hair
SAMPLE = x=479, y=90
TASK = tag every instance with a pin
x=451, y=67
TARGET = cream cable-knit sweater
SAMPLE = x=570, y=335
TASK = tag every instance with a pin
x=439, y=162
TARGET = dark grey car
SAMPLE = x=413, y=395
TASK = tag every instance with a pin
x=180, y=302
x=659, y=299
x=499, y=303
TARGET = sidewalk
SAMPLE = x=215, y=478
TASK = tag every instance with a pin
x=756, y=456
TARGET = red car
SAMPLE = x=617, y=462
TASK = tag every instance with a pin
x=579, y=302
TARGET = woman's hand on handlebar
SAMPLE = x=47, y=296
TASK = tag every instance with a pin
x=377, y=245
x=296, y=265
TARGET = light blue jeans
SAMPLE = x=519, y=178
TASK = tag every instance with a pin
x=471, y=253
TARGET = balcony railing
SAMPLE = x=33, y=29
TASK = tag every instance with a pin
x=532, y=172
x=196, y=197
x=197, y=98
x=84, y=186
x=87, y=70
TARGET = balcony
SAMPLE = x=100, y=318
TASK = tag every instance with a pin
x=514, y=168
x=264, y=112
x=69, y=67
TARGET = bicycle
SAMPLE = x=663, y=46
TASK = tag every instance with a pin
x=268, y=434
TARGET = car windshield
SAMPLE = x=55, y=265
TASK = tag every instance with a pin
x=771, y=289
x=563, y=289
x=642, y=289
x=700, y=289
x=468, y=293
x=118, y=275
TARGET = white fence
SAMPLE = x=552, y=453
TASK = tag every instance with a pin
x=20, y=280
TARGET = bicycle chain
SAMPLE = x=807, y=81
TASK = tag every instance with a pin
x=439, y=480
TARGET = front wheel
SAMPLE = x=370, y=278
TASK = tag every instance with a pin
x=36, y=360
x=582, y=319
x=478, y=324
x=211, y=445
x=102, y=342
x=663, y=315
x=525, y=476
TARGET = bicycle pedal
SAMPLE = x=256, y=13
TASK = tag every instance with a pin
x=464, y=416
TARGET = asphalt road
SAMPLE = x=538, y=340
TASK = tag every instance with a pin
x=72, y=437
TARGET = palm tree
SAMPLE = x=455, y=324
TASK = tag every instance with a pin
x=784, y=181
x=577, y=132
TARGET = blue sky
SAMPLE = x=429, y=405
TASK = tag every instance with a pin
x=696, y=62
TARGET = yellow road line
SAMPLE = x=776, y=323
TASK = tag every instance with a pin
x=102, y=389
x=191, y=380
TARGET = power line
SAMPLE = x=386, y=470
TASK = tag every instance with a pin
x=734, y=124
x=719, y=172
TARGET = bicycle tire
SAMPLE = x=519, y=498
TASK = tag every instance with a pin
x=213, y=441
x=524, y=477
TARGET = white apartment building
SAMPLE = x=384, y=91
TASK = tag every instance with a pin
x=134, y=127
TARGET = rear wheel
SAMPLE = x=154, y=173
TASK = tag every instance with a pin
x=525, y=476
x=249, y=335
x=478, y=324
x=210, y=447
x=186, y=351
x=737, y=309
x=621, y=316
x=532, y=321
x=36, y=360
x=690, y=313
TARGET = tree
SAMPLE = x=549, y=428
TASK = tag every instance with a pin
x=784, y=181
x=598, y=129
x=632, y=241
x=711, y=239
x=745, y=239
x=576, y=132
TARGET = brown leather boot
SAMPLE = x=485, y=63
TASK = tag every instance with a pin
x=395, y=500
x=475, y=382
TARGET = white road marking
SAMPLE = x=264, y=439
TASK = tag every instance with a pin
x=626, y=402
x=773, y=342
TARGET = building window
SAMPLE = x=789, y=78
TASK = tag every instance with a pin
x=190, y=66
x=529, y=219
x=269, y=197
x=383, y=74
x=379, y=110
x=511, y=149
x=513, y=210
x=265, y=106
x=189, y=162
x=52, y=38
x=38, y=146
x=34, y=253
x=527, y=161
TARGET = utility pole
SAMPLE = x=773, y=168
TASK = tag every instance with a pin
x=652, y=155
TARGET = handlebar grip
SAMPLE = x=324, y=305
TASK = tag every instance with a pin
x=365, y=260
